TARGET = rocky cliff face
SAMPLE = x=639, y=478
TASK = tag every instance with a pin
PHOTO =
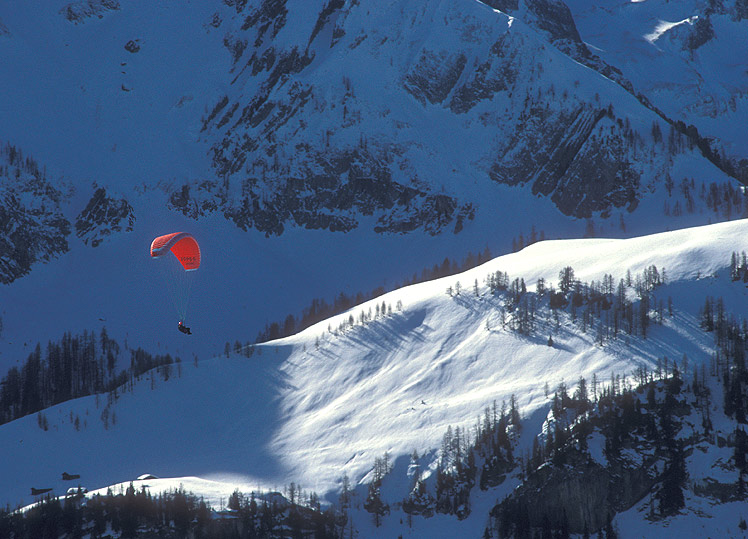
x=584, y=494
x=646, y=448
x=102, y=217
x=333, y=114
x=675, y=56
x=81, y=10
x=333, y=195
x=32, y=225
x=581, y=164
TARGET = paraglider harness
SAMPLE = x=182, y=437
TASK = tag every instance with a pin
x=184, y=329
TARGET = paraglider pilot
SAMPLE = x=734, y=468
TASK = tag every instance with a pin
x=184, y=329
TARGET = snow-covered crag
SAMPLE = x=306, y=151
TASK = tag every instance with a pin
x=102, y=216
x=32, y=225
x=341, y=108
x=34, y=215
x=688, y=58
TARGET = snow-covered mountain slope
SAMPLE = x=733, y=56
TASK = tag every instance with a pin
x=313, y=113
x=389, y=376
x=357, y=125
x=688, y=58
x=94, y=110
x=333, y=112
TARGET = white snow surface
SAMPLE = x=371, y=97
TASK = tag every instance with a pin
x=131, y=122
x=316, y=405
x=296, y=411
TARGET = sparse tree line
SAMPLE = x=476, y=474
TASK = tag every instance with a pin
x=319, y=309
x=731, y=339
x=644, y=409
x=522, y=241
x=174, y=514
x=603, y=307
x=724, y=199
x=482, y=455
x=739, y=266
x=14, y=157
x=246, y=349
x=682, y=135
x=489, y=441
x=76, y=366
x=380, y=310
x=374, y=503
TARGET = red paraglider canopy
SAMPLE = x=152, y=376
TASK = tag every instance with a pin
x=182, y=244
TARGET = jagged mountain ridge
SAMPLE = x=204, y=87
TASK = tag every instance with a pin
x=37, y=219
x=301, y=127
x=102, y=216
x=465, y=71
x=32, y=224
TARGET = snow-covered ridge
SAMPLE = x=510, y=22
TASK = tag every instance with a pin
x=685, y=254
x=663, y=27
x=325, y=402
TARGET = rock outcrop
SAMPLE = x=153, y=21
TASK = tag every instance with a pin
x=102, y=217
x=32, y=225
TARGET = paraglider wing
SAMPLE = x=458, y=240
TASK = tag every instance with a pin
x=179, y=269
x=182, y=245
